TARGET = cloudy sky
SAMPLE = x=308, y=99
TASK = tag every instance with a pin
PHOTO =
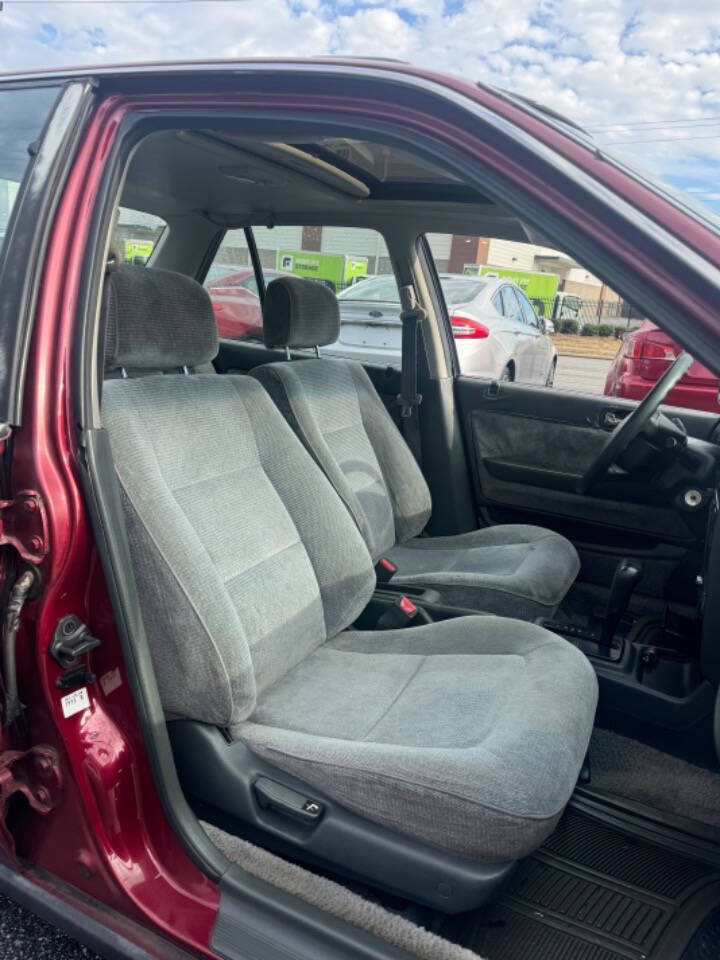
x=643, y=76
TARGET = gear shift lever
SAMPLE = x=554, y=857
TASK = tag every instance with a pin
x=625, y=579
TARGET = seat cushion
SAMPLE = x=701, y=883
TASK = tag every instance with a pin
x=515, y=570
x=467, y=734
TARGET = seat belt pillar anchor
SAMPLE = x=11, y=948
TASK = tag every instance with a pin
x=408, y=405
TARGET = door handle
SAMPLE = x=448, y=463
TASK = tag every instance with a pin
x=375, y=313
x=610, y=419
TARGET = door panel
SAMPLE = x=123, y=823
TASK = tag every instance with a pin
x=527, y=448
x=529, y=445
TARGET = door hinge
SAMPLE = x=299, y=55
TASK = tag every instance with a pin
x=24, y=526
x=34, y=773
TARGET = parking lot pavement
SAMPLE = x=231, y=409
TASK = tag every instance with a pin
x=23, y=936
x=583, y=374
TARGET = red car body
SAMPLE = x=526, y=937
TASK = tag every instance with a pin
x=237, y=308
x=98, y=850
x=645, y=355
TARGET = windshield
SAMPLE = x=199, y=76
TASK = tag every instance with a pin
x=460, y=290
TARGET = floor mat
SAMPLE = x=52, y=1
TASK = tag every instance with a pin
x=594, y=892
x=638, y=772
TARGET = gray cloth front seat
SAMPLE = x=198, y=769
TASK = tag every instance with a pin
x=465, y=735
x=521, y=571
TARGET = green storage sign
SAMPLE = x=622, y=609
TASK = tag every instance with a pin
x=334, y=269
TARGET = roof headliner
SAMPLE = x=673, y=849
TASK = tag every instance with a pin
x=244, y=182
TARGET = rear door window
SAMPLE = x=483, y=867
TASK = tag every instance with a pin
x=528, y=313
x=511, y=307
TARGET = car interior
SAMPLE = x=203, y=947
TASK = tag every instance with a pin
x=445, y=640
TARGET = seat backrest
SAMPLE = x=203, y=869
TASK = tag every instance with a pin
x=245, y=558
x=335, y=410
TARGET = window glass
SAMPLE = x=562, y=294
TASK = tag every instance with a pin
x=529, y=315
x=575, y=332
x=511, y=308
x=353, y=262
x=136, y=235
x=22, y=116
x=460, y=290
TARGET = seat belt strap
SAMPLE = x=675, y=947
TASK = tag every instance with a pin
x=409, y=399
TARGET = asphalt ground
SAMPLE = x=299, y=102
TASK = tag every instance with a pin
x=583, y=374
x=23, y=936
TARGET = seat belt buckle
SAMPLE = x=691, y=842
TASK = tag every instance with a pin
x=408, y=404
x=402, y=613
x=406, y=607
x=385, y=570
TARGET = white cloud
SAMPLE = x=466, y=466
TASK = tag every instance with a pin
x=600, y=61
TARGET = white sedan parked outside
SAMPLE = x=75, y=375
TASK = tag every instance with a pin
x=497, y=333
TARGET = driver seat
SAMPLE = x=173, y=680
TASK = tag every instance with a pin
x=511, y=569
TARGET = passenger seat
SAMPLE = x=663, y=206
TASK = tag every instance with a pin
x=426, y=760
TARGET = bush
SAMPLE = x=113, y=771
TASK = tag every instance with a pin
x=568, y=326
x=619, y=332
x=605, y=330
x=589, y=330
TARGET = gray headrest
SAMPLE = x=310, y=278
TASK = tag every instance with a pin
x=156, y=320
x=300, y=313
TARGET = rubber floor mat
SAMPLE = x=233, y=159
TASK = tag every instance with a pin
x=594, y=892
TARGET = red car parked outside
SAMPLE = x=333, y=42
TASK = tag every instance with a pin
x=644, y=357
x=236, y=304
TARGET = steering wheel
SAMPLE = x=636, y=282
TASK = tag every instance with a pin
x=632, y=425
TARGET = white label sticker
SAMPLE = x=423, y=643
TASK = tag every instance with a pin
x=74, y=702
x=110, y=681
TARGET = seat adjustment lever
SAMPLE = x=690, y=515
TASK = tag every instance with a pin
x=276, y=796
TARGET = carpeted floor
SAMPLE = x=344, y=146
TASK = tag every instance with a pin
x=638, y=772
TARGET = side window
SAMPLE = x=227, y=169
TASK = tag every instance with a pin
x=136, y=235
x=528, y=313
x=511, y=307
x=353, y=262
x=576, y=333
